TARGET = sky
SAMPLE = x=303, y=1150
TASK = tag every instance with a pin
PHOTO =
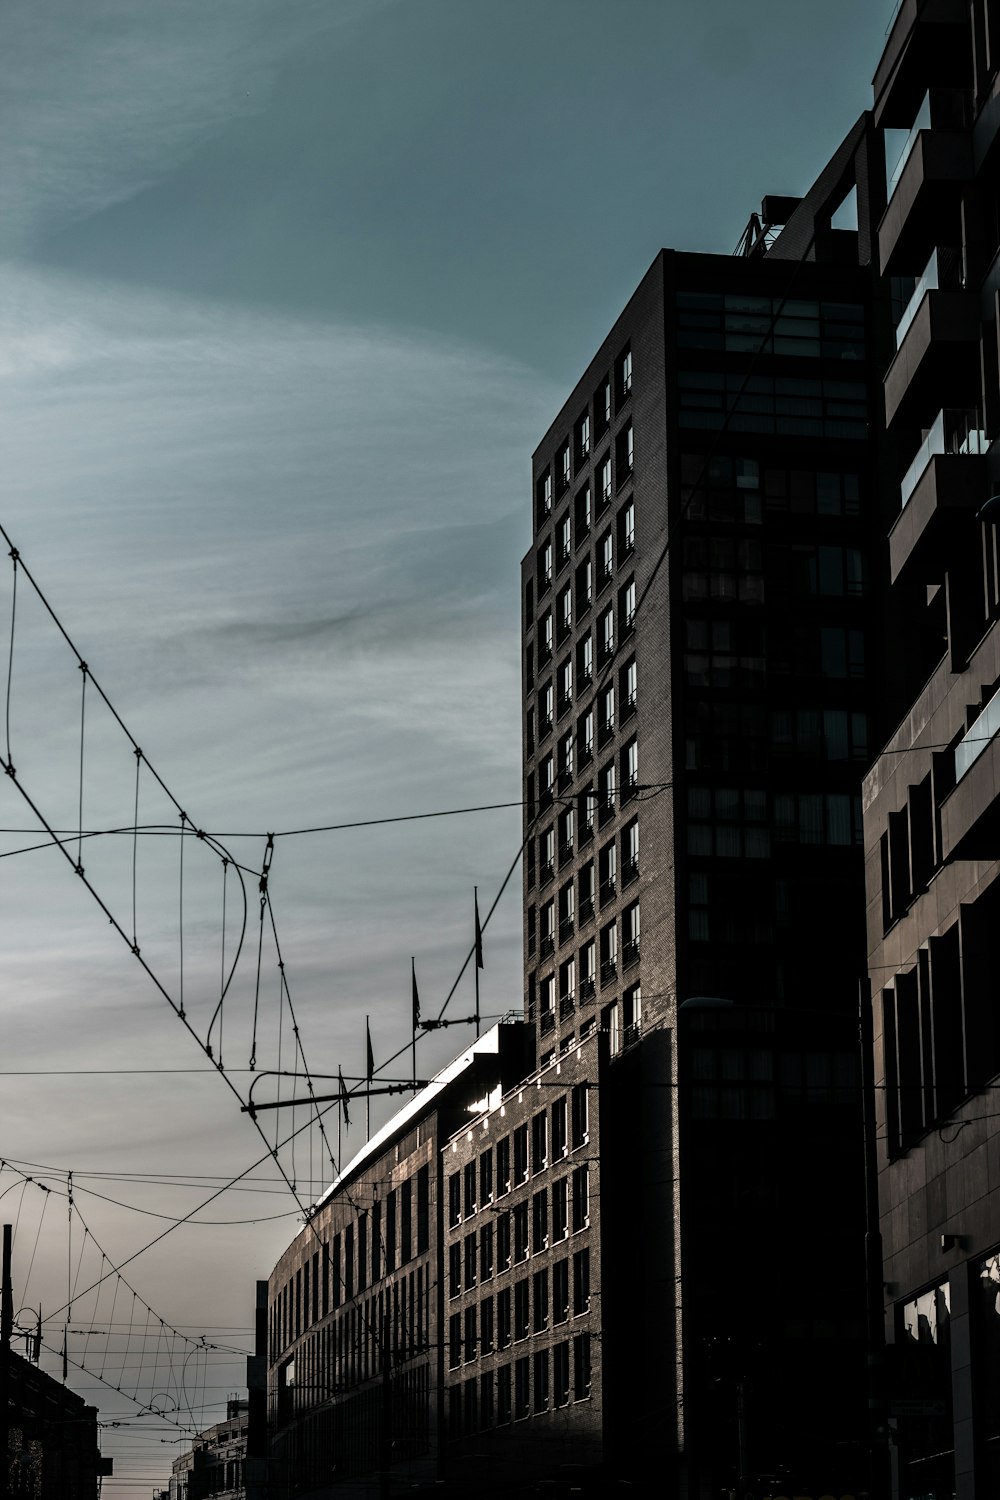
x=289, y=290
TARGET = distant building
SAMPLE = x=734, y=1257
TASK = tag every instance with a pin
x=215, y=1465
x=356, y=1332
x=52, y=1439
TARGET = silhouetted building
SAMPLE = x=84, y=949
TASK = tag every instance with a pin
x=356, y=1333
x=701, y=636
x=52, y=1442
x=215, y=1465
x=932, y=819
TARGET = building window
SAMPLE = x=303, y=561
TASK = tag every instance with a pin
x=541, y=1371
x=547, y=855
x=626, y=529
x=503, y=1395
x=579, y=1116
x=632, y=1014
x=567, y=987
x=503, y=1319
x=582, y=436
x=729, y=822
x=521, y=1154
x=565, y=685
x=567, y=824
x=486, y=1177
x=609, y=1025
x=565, y=607
x=604, y=486
x=503, y=1242
x=520, y=1215
x=564, y=467
x=548, y=929
x=540, y=1222
x=471, y=1336
x=543, y=491
x=585, y=660
x=546, y=704
x=548, y=1020
x=486, y=1252
x=522, y=1388
x=546, y=638
x=565, y=540
x=454, y=1341
x=624, y=455
x=581, y=1282
x=470, y=1189
x=454, y=1199
x=606, y=790
x=559, y=1121
x=581, y=1198
x=503, y=1165
x=606, y=726
x=522, y=1305
x=539, y=1142
x=606, y=559
x=585, y=881
x=470, y=1261
x=540, y=1301
x=626, y=608
x=560, y=1374
x=606, y=634
x=623, y=373
x=588, y=815
x=455, y=1269
x=486, y=1400
x=583, y=514
x=584, y=587
x=630, y=852
x=602, y=407
x=588, y=966
x=486, y=1325
x=608, y=867
x=609, y=953
x=581, y=1366
x=630, y=935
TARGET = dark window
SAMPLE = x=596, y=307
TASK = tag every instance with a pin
x=522, y=1303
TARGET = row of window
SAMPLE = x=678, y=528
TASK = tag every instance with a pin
x=597, y=724
x=762, y=403
x=554, y=553
x=771, y=325
x=594, y=885
x=742, y=822
x=741, y=738
x=516, y=1392
x=379, y=1240
x=564, y=1126
x=392, y=1324
x=578, y=977
x=521, y=1310
x=554, y=630
x=526, y=1229
x=617, y=778
x=722, y=489
x=590, y=427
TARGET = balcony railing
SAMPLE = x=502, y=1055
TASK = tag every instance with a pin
x=608, y=890
x=566, y=928
x=588, y=988
x=586, y=908
x=609, y=970
x=547, y=945
x=630, y=953
x=977, y=737
x=953, y=430
x=630, y=871
x=894, y=169
x=946, y=270
x=567, y=1005
x=548, y=1021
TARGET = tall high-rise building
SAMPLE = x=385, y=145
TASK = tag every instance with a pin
x=701, y=636
x=932, y=831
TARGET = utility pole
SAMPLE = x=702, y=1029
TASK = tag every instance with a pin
x=6, y=1330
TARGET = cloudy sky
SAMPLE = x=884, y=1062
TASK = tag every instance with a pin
x=289, y=289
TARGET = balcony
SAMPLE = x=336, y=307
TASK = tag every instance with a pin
x=566, y=852
x=609, y=971
x=547, y=946
x=586, y=909
x=939, y=352
x=567, y=1005
x=548, y=1022
x=547, y=871
x=947, y=477
x=566, y=929
x=944, y=270
x=925, y=178
x=970, y=814
x=926, y=38
x=588, y=988
x=609, y=889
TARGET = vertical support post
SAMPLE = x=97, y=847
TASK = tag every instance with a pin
x=6, y=1330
